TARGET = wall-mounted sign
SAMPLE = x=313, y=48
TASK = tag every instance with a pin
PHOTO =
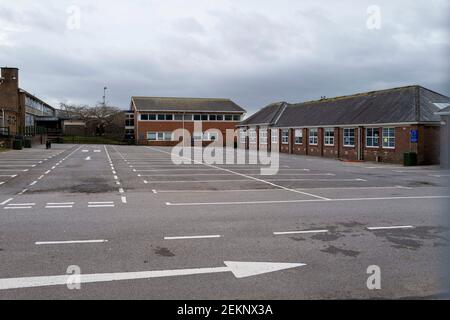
x=414, y=136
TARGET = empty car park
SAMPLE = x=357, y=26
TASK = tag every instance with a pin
x=200, y=230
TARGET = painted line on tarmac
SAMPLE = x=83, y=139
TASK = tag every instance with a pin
x=302, y=201
x=192, y=237
x=124, y=199
x=39, y=243
x=300, y=232
x=6, y=201
x=389, y=228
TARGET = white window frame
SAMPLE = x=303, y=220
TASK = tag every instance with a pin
x=197, y=136
x=298, y=133
x=274, y=136
x=328, y=140
x=313, y=139
x=372, y=137
x=345, y=136
x=283, y=136
x=160, y=136
x=253, y=138
x=388, y=137
x=263, y=136
x=243, y=136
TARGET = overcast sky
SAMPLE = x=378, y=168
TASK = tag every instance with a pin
x=252, y=51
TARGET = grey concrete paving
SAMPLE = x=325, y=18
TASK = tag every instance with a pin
x=135, y=201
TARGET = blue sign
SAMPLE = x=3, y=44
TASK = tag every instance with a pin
x=414, y=134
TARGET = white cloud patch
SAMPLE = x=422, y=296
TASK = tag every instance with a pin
x=254, y=52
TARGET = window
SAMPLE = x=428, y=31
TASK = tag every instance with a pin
x=313, y=137
x=144, y=117
x=159, y=136
x=274, y=134
x=252, y=136
x=169, y=117
x=151, y=136
x=204, y=117
x=168, y=136
x=197, y=136
x=210, y=136
x=242, y=136
x=285, y=136
x=152, y=117
x=197, y=117
x=219, y=117
x=329, y=137
x=388, y=137
x=349, y=137
x=212, y=117
x=228, y=117
x=188, y=117
x=263, y=136
x=298, y=136
x=161, y=117
x=372, y=137
x=236, y=117
x=178, y=117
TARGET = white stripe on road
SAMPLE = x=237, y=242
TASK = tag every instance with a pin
x=22, y=204
x=58, y=207
x=301, y=201
x=7, y=208
x=101, y=202
x=33, y=183
x=69, y=242
x=387, y=228
x=100, y=205
x=300, y=232
x=273, y=189
x=267, y=180
x=6, y=201
x=192, y=237
x=124, y=199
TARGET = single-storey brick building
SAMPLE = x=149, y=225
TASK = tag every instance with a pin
x=373, y=126
x=445, y=136
x=153, y=120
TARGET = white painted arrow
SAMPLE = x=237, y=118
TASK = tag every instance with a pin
x=88, y=158
x=239, y=270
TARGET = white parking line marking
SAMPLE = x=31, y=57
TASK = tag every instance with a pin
x=9, y=175
x=116, y=177
x=301, y=201
x=121, y=190
x=58, y=207
x=154, y=191
x=6, y=201
x=124, y=199
x=100, y=205
x=33, y=183
x=17, y=208
x=23, y=191
x=22, y=204
x=300, y=232
x=101, y=202
x=439, y=175
x=69, y=242
x=97, y=151
x=387, y=228
x=247, y=180
x=60, y=203
x=41, y=177
x=192, y=237
x=47, y=172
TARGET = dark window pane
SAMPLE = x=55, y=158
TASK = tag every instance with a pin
x=144, y=116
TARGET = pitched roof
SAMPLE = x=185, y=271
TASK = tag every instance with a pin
x=445, y=111
x=397, y=105
x=35, y=98
x=185, y=104
x=267, y=115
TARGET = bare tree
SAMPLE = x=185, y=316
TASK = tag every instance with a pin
x=100, y=119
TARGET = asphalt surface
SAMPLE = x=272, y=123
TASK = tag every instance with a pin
x=134, y=208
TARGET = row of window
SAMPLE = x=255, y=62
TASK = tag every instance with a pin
x=168, y=136
x=188, y=117
x=372, y=137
